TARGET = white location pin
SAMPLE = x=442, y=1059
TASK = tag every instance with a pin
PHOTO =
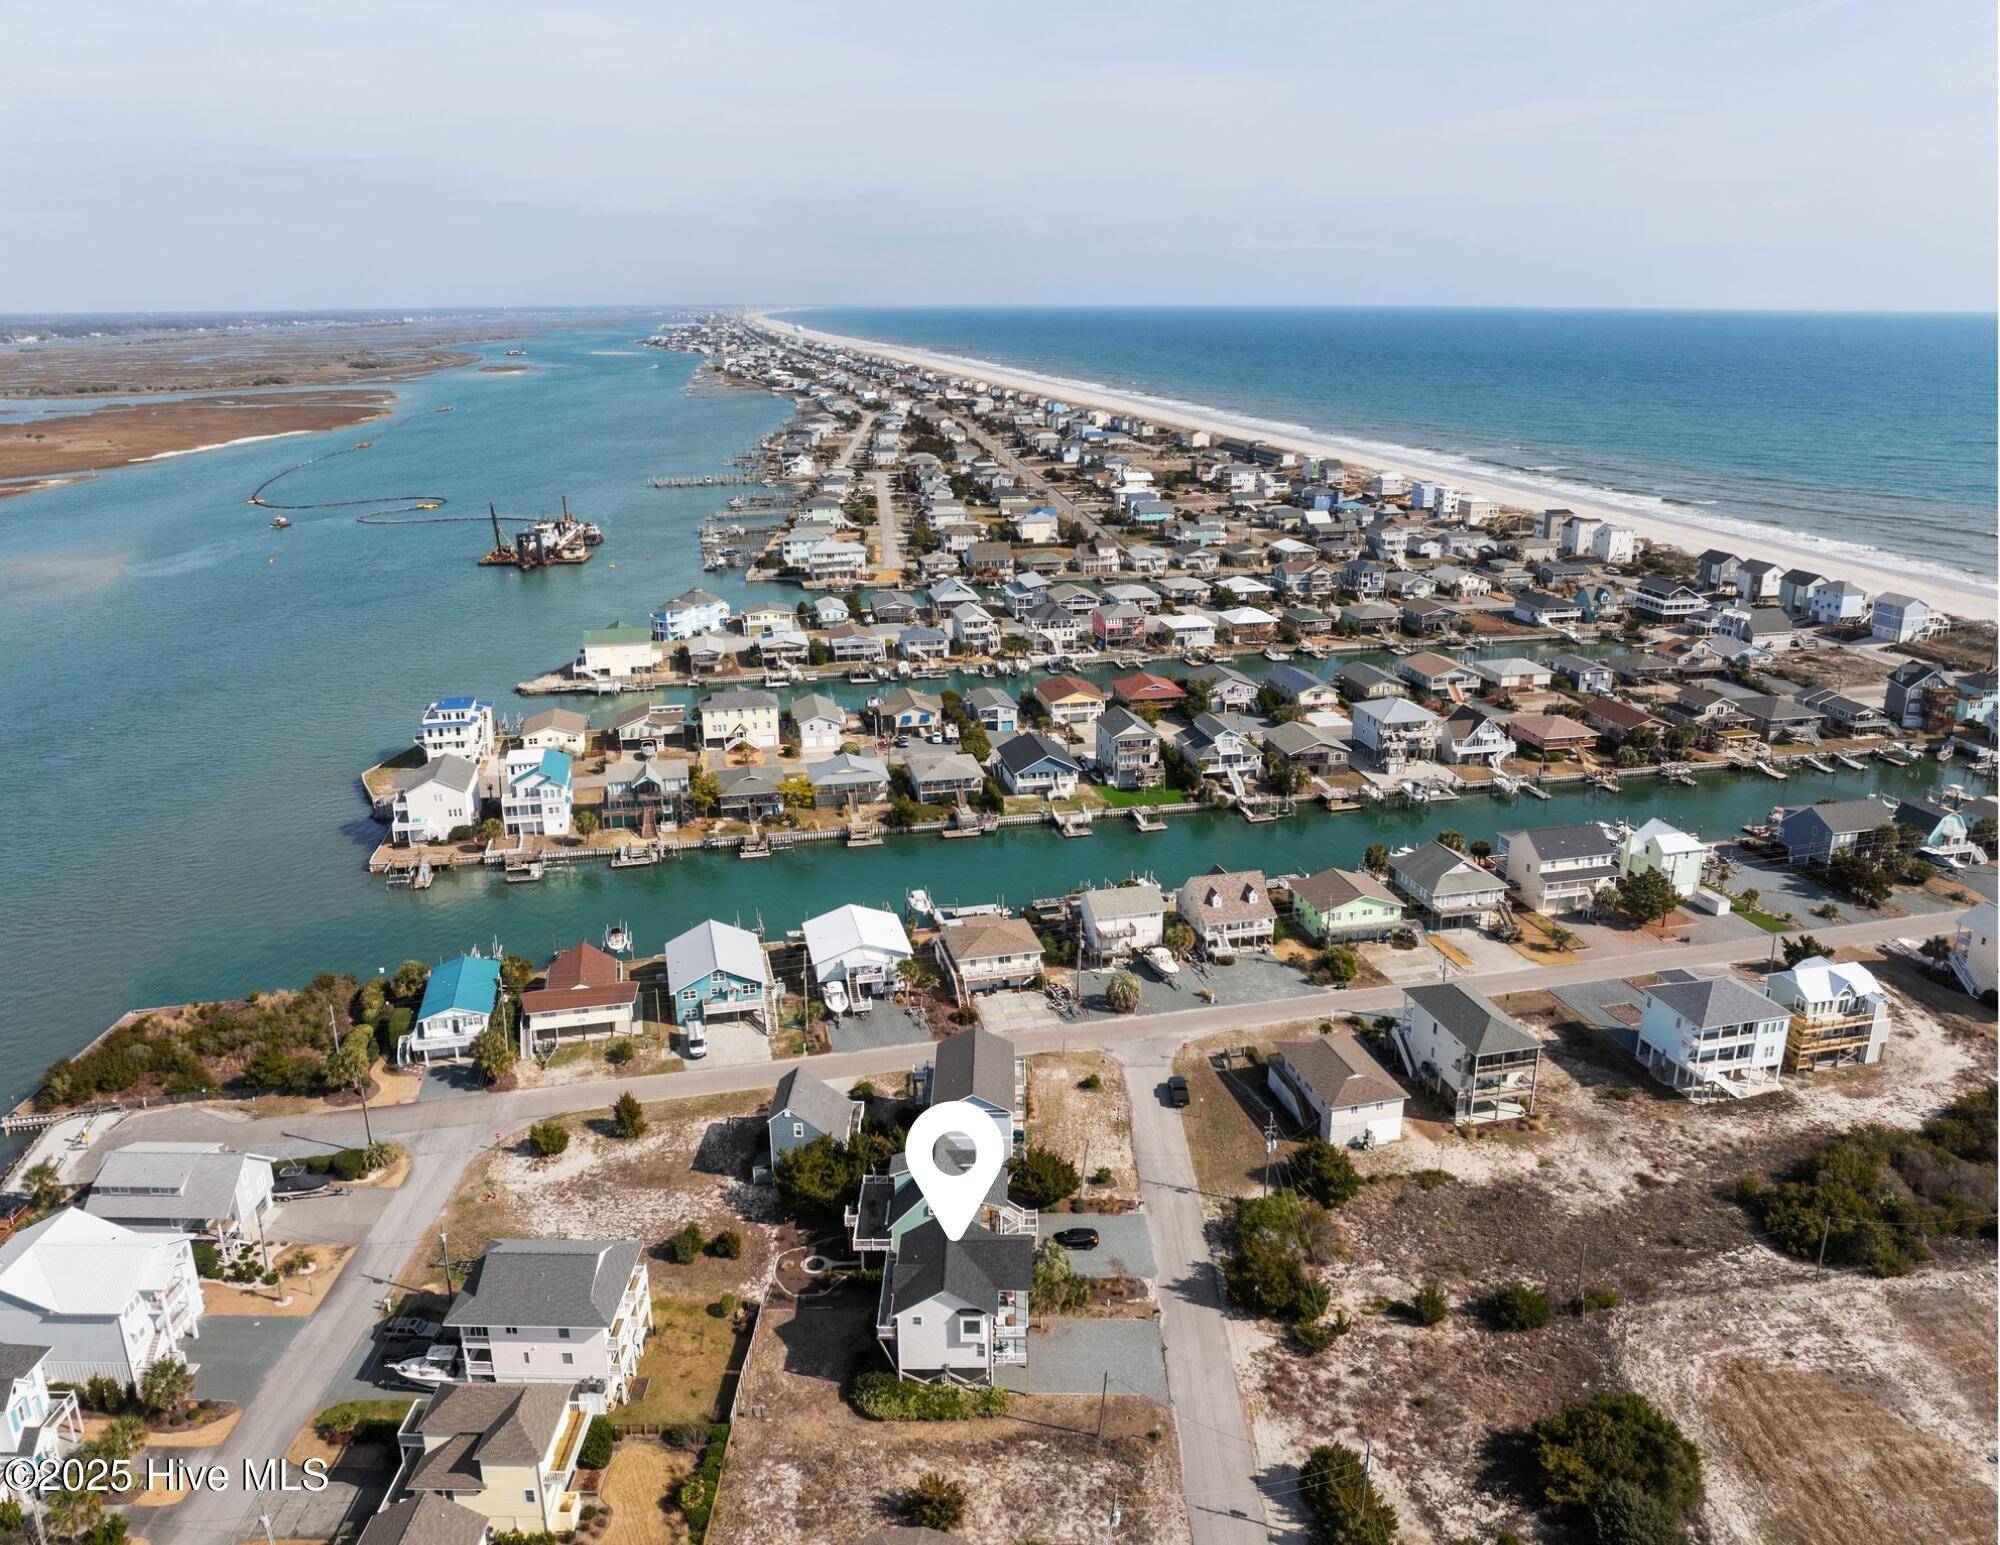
x=954, y=1199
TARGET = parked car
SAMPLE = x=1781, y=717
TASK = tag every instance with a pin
x=413, y=1325
x=1076, y=1238
x=1177, y=1090
x=695, y=1040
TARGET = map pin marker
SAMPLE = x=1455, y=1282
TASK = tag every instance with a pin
x=955, y=1200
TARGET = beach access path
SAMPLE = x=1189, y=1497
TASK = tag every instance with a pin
x=444, y=1135
x=1967, y=597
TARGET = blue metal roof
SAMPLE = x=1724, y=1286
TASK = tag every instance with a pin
x=469, y=983
x=459, y=704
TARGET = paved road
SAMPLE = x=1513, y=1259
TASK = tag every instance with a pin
x=1218, y=1460
x=1061, y=502
x=889, y=533
x=443, y=1135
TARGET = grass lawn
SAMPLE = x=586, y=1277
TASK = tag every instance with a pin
x=1125, y=799
x=352, y=1416
x=685, y=1366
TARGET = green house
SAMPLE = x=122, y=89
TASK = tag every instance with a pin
x=1341, y=905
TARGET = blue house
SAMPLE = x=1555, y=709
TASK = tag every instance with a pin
x=716, y=971
x=1597, y=602
x=457, y=1005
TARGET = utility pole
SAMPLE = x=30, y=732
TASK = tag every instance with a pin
x=444, y=1246
x=360, y=1078
x=1825, y=1227
x=1270, y=1147
x=1103, y=1398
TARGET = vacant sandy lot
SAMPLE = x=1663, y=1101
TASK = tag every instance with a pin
x=1092, y=1128
x=804, y=1468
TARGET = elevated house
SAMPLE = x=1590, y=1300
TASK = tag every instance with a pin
x=1973, y=952
x=1393, y=732
x=1446, y=889
x=1481, y=1063
x=988, y=954
x=435, y=800
x=1707, y=1036
x=538, y=799
x=854, y=954
x=1119, y=921
x=104, y=1300
x=457, y=726
x=983, y=1069
x=458, y=1003
x=1839, y=1014
x=571, y=1313
x=1812, y=834
x=1228, y=912
x=507, y=1452
x=1128, y=754
x=719, y=971
x=1341, y=906
x=201, y=1190
x=585, y=993
x=956, y=1309
x=1335, y=1090
x=1666, y=849
x=42, y=1425
x=1561, y=868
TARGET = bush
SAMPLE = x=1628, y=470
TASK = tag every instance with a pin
x=1516, y=1306
x=1612, y=1439
x=1266, y=1271
x=207, y=1259
x=1056, y=1287
x=628, y=1116
x=935, y=1502
x=1122, y=993
x=1429, y=1306
x=1341, y=1500
x=817, y=1182
x=879, y=1394
x=1039, y=1178
x=1623, y=1515
x=697, y=1493
x=726, y=1245
x=686, y=1245
x=620, y=1052
x=1323, y=1172
x=599, y=1439
x=349, y=1164
x=1315, y=1336
x=1090, y=1081
x=549, y=1138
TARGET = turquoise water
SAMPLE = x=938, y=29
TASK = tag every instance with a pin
x=189, y=716
x=1849, y=430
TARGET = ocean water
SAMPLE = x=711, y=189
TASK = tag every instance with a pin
x=1864, y=430
x=192, y=696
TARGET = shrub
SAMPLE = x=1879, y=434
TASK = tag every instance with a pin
x=549, y=1138
x=1039, y=1178
x=1056, y=1286
x=1122, y=993
x=816, y=1182
x=620, y=1052
x=1429, y=1306
x=1624, y=1515
x=726, y=1245
x=935, y=1502
x=207, y=1259
x=1265, y=1271
x=348, y=1164
x=697, y=1493
x=1614, y=1439
x=879, y=1394
x=599, y=1439
x=1316, y=1335
x=1323, y=1172
x=1516, y=1306
x=686, y=1245
x=1090, y=1081
x=628, y=1116
x=1341, y=1500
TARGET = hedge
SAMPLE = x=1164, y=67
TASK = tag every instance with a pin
x=881, y=1395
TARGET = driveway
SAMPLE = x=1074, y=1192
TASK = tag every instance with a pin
x=1251, y=979
x=730, y=1042
x=1218, y=1460
x=1125, y=1242
x=235, y=1351
x=1089, y=1357
x=883, y=1026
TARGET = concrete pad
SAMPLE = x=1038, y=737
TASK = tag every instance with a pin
x=884, y=1025
x=731, y=1042
x=1010, y=1013
x=1252, y=978
x=1124, y=1240
x=1404, y=968
x=1074, y=1356
x=234, y=1353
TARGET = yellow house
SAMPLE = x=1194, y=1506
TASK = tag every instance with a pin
x=506, y=1451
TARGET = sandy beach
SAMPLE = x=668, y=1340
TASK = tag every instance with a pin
x=1873, y=570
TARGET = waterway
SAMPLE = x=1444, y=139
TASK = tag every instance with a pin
x=191, y=696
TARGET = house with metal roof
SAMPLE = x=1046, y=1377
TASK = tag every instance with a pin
x=575, y=1312
x=805, y=1109
x=105, y=1300
x=1561, y=868
x=956, y=1309
x=854, y=953
x=199, y=1189
x=1707, y=1036
x=458, y=1003
x=1478, y=1060
x=718, y=971
x=41, y=1424
x=1335, y=1090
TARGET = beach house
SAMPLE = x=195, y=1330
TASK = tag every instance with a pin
x=956, y=1309
x=1335, y=1091
x=458, y=1003
x=987, y=953
x=740, y=716
x=555, y=729
x=1839, y=1014
x=616, y=652
x=1710, y=1035
x=42, y=1425
x=1447, y=888
x=1032, y=763
x=538, y=799
x=1973, y=951
x=718, y=971
x=507, y=1452
x=805, y=1109
x=854, y=953
x=457, y=726
x=819, y=723
x=1478, y=1060
x=572, y=1312
x=104, y=1300
x=434, y=800
x=202, y=1190
x=1119, y=921
x=1902, y=619
x=1340, y=906
x=1665, y=849
x=982, y=1069
x=1228, y=912
x=1561, y=868
x=1393, y=731
x=583, y=994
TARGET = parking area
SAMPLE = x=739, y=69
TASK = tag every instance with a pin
x=448, y=1080
x=731, y=1042
x=1781, y=890
x=1009, y=1013
x=233, y=1353
x=1077, y=1356
x=1124, y=1248
x=887, y=1024
x=1251, y=979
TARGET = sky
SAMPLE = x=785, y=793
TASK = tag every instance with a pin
x=1810, y=154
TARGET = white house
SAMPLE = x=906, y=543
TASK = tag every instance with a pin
x=689, y=614
x=1479, y=1061
x=1120, y=921
x=457, y=726
x=821, y=723
x=570, y=1311
x=555, y=729
x=539, y=794
x=434, y=800
x=1666, y=848
x=1334, y=1089
x=617, y=651
x=854, y=953
x=956, y=1309
x=198, y=1189
x=1973, y=949
x=1839, y=1014
x=1228, y=912
x=40, y=1426
x=1561, y=868
x=104, y=1299
x=1711, y=1035
x=740, y=716
x=1394, y=730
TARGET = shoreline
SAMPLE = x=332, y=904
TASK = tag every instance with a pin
x=1874, y=569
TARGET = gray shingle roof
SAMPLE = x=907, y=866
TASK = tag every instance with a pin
x=547, y=1282
x=1564, y=842
x=425, y=1519
x=815, y=1101
x=974, y=1064
x=18, y=1360
x=975, y=1269
x=1472, y=1020
x=164, y=1181
x=1712, y=1002
x=1427, y=867
x=1339, y=1070
x=507, y=1424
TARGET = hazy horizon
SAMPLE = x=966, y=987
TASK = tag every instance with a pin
x=1829, y=155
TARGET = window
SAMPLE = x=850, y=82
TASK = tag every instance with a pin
x=568, y=1358
x=562, y=1334
x=798, y=1129
x=527, y=1493
x=513, y=1330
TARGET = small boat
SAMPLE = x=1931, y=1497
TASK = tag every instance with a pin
x=445, y=409
x=421, y=880
x=436, y=1367
x=635, y=855
x=1161, y=959
x=281, y=524
x=618, y=939
x=1276, y=656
